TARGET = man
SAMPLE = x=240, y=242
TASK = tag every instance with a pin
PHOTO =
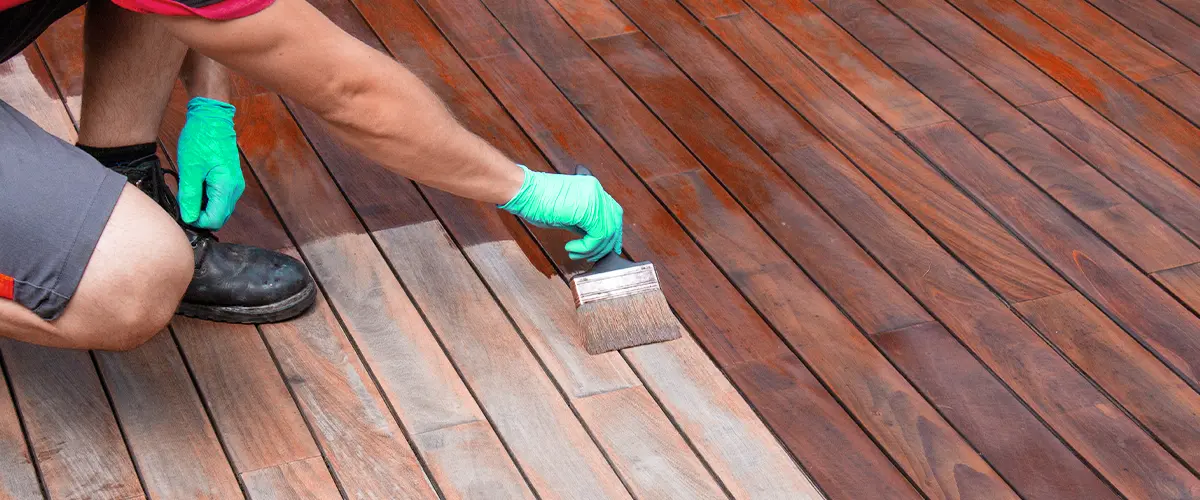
x=88, y=261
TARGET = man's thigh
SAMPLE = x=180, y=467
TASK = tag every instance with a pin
x=21, y=25
x=55, y=201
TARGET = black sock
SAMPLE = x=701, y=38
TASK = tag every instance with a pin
x=111, y=157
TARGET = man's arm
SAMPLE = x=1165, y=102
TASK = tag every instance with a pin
x=370, y=101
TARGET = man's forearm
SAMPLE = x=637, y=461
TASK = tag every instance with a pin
x=370, y=101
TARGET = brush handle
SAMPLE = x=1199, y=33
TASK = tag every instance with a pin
x=611, y=261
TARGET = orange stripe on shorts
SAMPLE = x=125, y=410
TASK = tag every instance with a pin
x=6, y=287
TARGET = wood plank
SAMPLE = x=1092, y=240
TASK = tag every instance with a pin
x=25, y=84
x=661, y=151
x=1105, y=38
x=1153, y=394
x=1174, y=89
x=422, y=385
x=794, y=221
x=1053, y=233
x=988, y=327
x=1184, y=282
x=18, y=478
x=1111, y=212
x=169, y=435
x=717, y=421
x=1029, y=455
x=1188, y=8
x=1118, y=99
x=1164, y=190
x=76, y=443
x=306, y=479
x=1158, y=24
x=366, y=450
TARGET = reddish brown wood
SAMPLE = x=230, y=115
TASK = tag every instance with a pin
x=1114, y=214
x=1105, y=38
x=1179, y=90
x=1000, y=339
x=1111, y=94
x=1164, y=190
x=1184, y=282
x=1159, y=25
x=1158, y=398
x=169, y=435
x=859, y=286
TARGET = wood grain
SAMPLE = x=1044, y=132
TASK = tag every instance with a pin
x=1158, y=398
x=1106, y=208
x=76, y=443
x=1106, y=38
x=1189, y=8
x=18, y=479
x=306, y=479
x=169, y=435
x=1183, y=282
x=25, y=84
x=1178, y=90
x=1111, y=94
x=1159, y=25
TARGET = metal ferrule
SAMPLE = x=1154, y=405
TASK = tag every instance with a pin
x=613, y=284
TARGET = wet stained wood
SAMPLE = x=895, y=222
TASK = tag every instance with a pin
x=169, y=435
x=72, y=432
x=306, y=479
x=1162, y=189
x=540, y=115
x=1086, y=193
x=1111, y=94
x=1184, y=283
x=1106, y=38
x=1158, y=24
x=1187, y=8
x=960, y=224
x=858, y=285
x=1029, y=455
x=1179, y=90
x=995, y=334
x=705, y=407
x=1117, y=287
x=1153, y=394
x=418, y=379
x=756, y=265
x=18, y=479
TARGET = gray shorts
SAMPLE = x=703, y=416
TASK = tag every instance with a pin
x=54, y=202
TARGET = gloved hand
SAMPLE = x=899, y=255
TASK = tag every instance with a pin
x=574, y=202
x=209, y=164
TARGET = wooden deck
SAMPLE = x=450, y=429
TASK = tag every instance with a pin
x=922, y=248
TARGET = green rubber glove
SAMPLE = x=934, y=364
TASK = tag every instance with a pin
x=574, y=202
x=209, y=164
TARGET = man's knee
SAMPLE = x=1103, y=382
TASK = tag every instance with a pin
x=133, y=284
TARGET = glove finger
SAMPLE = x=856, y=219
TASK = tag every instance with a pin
x=587, y=248
x=190, y=189
x=220, y=206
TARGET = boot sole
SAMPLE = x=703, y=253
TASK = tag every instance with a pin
x=270, y=313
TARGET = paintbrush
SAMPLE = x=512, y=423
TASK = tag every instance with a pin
x=620, y=304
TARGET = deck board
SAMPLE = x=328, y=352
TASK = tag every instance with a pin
x=920, y=248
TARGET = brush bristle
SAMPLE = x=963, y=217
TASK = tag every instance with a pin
x=633, y=320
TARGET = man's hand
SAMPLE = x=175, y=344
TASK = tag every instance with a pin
x=574, y=202
x=209, y=164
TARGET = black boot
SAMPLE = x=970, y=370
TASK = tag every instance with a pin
x=232, y=283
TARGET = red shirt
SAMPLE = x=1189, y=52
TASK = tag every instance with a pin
x=219, y=9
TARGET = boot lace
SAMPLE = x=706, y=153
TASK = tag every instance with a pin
x=148, y=175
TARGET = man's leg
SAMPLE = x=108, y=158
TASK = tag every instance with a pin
x=130, y=68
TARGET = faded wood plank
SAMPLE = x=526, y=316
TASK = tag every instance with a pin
x=25, y=84
x=709, y=411
x=1158, y=24
x=1105, y=38
x=72, y=432
x=789, y=217
x=1065, y=399
x=1111, y=94
x=422, y=385
x=306, y=479
x=1161, y=188
x=169, y=435
x=1163, y=402
x=18, y=479
x=1114, y=214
